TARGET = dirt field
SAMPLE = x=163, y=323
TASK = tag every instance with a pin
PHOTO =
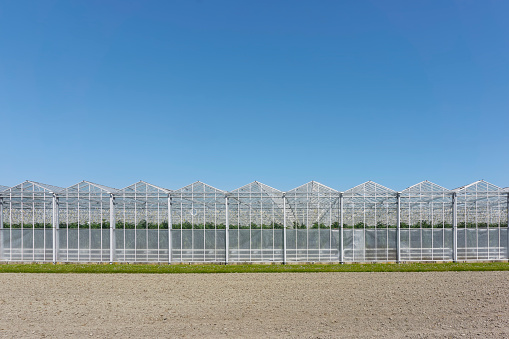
x=309, y=305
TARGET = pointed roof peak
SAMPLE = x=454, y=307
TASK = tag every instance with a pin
x=261, y=186
x=41, y=186
x=426, y=186
x=199, y=183
x=146, y=184
x=489, y=186
x=106, y=189
x=370, y=186
x=315, y=186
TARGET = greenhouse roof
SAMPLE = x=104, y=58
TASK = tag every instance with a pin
x=256, y=187
x=257, y=192
x=366, y=189
x=199, y=187
x=89, y=187
x=478, y=186
x=425, y=187
x=200, y=193
x=32, y=186
x=313, y=187
x=143, y=187
x=369, y=187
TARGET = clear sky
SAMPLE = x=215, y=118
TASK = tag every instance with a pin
x=228, y=92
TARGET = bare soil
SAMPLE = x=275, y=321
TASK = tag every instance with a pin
x=308, y=305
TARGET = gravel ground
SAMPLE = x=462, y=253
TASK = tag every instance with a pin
x=308, y=305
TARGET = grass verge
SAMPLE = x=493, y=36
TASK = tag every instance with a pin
x=250, y=268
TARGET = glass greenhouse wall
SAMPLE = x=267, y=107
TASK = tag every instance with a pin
x=88, y=222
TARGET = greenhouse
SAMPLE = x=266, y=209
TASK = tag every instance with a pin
x=89, y=222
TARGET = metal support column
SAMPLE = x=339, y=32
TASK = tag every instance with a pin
x=398, y=228
x=227, y=233
x=454, y=227
x=112, y=228
x=1, y=228
x=284, y=228
x=508, y=225
x=170, y=226
x=55, y=226
x=341, y=245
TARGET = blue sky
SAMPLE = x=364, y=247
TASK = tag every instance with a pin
x=228, y=92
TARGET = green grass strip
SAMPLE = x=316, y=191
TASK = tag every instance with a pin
x=250, y=268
